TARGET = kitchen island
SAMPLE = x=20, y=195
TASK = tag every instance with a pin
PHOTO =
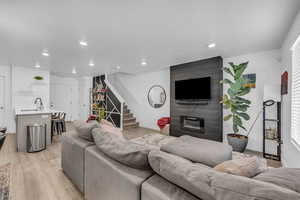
x=26, y=117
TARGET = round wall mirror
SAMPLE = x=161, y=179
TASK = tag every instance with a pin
x=157, y=96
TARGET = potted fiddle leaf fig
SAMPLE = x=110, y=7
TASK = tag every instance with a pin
x=237, y=104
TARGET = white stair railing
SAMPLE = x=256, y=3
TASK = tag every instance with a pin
x=114, y=110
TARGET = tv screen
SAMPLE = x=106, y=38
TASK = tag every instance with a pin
x=193, y=89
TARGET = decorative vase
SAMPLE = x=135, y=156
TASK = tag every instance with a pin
x=237, y=141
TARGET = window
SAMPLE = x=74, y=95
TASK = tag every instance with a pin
x=295, y=117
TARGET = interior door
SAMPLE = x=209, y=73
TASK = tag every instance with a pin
x=2, y=100
x=64, y=97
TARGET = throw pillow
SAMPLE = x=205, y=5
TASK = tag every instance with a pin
x=247, y=167
x=285, y=177
x=84, y=129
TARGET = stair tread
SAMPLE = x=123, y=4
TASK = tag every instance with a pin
x=128, y=118
x=129, y=123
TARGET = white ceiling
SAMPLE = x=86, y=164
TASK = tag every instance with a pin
x=124, y=32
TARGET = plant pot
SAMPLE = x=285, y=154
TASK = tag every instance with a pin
x=238, y=142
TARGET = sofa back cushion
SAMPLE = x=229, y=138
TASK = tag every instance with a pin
x=284, y=177
x=122, y=150
x=207, y=183
x=84, y=129
x=111, y=129
x=190, y=176
x=203, y=151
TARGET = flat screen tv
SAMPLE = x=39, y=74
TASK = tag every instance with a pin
x=193, y=89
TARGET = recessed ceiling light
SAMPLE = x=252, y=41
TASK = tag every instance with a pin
x=91, y=64
x=74, y=71
x=37, y=65
x=118, y=67
x=212, y=45
x=83, y=43
x=144, y=63
x=45, y=53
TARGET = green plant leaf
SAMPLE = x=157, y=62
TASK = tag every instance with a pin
x=237, y=120
x=235, y=128
x=233, y=66
x=231, y=93
x=227, y=81
x=241, y=100
x=236, y=86
x=245, y=116
x=244, y=91
x=227, y=117
x=228, y=71
x=242, y=127
x=242, y=108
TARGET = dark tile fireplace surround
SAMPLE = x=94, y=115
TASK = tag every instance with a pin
x=201, y=119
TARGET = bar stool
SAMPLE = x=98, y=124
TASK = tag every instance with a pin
x=2, y=136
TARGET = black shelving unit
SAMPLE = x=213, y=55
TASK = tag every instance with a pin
x=272, y=130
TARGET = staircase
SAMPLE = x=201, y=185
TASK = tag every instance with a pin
x=129, y=121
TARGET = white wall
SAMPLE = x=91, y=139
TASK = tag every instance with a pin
x=134, y=90
x=267, y=67
x=8, y=119
x=70, y=95
x=25, y=88
x=290, y=154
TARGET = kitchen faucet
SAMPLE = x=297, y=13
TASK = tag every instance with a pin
x=38, y=103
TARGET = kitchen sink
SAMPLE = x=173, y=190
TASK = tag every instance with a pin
x=26, y=110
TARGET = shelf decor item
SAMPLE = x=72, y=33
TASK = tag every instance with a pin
x=236, y=104
x=38, y=78
x=284, y=83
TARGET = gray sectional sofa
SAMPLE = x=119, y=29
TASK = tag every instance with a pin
x=103, y=172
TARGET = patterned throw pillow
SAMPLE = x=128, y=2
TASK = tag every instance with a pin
x=248, y=167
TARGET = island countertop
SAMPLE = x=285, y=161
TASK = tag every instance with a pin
x=32, y=111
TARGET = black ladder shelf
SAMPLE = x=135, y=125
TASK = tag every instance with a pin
x=272, y=130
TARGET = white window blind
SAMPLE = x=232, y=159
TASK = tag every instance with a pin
x=295, y=118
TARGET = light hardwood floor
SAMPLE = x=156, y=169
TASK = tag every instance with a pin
x=37, y=176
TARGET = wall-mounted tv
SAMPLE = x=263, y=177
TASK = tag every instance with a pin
x=193, y=89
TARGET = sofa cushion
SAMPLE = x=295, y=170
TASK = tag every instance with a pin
x=153, y=139
x=207, y=183
x=284, y=177
x=73, y=156
x=247, y=167
x=204, y=151
x=108, y=179
x=182, y=172
x=158, y=188
x=231, y=187
x=84, y=129
x=111, y=129
x=104, y=121
x=122, y=150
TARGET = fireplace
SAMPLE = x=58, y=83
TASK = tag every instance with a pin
x=191, y=123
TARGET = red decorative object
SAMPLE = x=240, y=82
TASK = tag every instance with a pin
x=162, y=122
x=284, y=83
x=91, y=117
